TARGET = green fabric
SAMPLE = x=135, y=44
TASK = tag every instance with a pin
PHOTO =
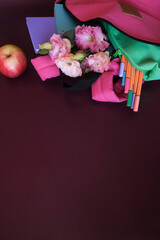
x=143, y=56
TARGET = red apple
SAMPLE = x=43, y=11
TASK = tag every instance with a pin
x=13, y=61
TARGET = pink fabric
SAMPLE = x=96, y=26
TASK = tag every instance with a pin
x=145, y=28
x=103, y=89
x=45, y=67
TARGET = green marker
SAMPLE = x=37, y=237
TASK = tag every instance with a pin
x=129, y=99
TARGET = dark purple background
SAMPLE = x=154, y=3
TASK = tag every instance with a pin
x=72, y=168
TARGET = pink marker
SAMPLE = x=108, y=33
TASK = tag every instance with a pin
x=126, y=87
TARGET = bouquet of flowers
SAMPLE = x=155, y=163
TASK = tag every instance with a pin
x=114, y=71
x=78, y=51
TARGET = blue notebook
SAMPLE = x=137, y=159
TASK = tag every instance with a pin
x=40, y=29
x=64, y=21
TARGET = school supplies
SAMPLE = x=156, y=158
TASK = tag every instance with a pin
x=133, y=84
x=132, y=35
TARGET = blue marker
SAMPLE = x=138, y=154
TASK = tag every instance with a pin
x=123, y=78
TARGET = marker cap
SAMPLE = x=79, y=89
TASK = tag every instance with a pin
x=136, y=103
x=121, y=69
x=129, y=99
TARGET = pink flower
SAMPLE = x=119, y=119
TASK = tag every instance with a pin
x=61, y=47
x=98, y=62
x=69, y=67
x=87, y=37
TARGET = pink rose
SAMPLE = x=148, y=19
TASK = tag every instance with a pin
x=69, y=67
x=98, y=62
x=87, y=37
x=61, y=47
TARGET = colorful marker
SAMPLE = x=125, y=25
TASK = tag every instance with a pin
x=138, y=92
x=121, y=69
x=124, y=72
x=127, y=80
x=130, y=92
x=135, y=87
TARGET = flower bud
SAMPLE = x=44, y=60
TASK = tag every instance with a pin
x=46, y=45
x=79, y=56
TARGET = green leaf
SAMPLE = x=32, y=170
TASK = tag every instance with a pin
x=87, y=70
x=43, y=51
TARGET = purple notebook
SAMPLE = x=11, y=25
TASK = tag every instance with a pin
x=40, y=29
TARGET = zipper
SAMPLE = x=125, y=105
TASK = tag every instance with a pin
x=117, y=53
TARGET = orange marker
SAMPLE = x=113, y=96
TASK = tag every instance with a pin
x=136, y=80
x=135, y=87
x=123, y=58
x=127, y=81
x=132, y=74
x=138, y=92
x=128, y=70
x=130, y=92
x=125, y=63
x=121, y=68
x=139, y=86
